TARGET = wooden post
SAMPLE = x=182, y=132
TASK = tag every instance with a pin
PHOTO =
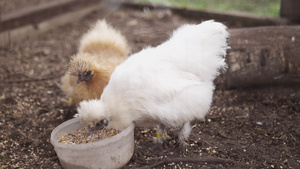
x=290, y=9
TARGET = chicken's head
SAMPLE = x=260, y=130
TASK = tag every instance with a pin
x=92, y=112
x=82, y=66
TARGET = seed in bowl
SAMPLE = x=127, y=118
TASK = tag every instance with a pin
x=83, y=136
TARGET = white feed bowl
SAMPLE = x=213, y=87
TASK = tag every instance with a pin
x=113, y=152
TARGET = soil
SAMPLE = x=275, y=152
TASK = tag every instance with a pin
x=252, y=127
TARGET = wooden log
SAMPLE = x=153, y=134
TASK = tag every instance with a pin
x=263, y=56
x=37, y=14
x=35, y=20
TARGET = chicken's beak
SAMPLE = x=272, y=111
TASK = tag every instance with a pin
x=100, y=125
x=84, y=77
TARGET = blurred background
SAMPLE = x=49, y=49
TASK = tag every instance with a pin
x=269, y=8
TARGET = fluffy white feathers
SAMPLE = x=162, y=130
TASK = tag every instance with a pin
x=89, y=114
x=170, y=84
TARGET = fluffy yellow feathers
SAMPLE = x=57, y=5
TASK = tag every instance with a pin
x=101, y=49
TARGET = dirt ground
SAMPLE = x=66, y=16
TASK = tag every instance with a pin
x=253, y=127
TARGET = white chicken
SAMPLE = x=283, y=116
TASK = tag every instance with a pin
x=168, y=85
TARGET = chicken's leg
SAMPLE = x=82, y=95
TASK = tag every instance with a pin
x=160, y=134
x=184, y=133
x=160, y=137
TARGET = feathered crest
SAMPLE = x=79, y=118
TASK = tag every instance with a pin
x=81, y=63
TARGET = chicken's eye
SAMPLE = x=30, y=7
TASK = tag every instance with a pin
x=88, y=73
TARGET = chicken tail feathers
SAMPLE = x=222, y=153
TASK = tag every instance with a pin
x=203, y=46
